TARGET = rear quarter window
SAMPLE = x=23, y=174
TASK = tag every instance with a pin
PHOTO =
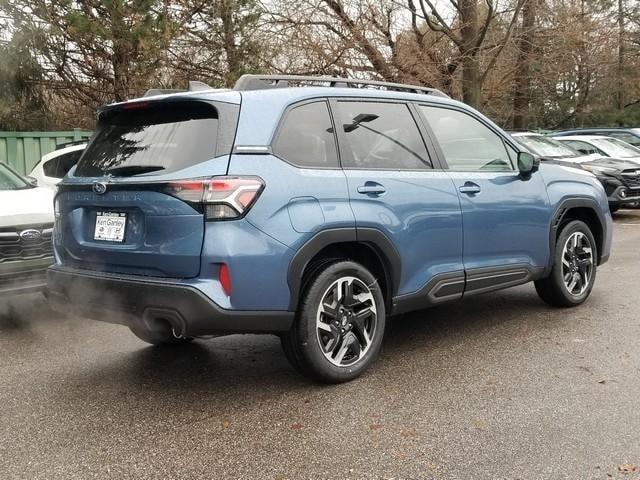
x=306, y=138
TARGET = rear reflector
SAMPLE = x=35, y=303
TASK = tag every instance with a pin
x=225, y=279
x=221, y=197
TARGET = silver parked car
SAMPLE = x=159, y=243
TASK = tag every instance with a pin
x=26, y=226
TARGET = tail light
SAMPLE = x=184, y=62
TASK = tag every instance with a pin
x=220, y=197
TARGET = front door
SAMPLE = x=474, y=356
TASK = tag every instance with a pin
x=505, y=217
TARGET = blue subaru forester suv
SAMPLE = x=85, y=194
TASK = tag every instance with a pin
x=312, y=213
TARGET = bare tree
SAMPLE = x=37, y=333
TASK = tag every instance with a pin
x=468, y=30
x=526, y=41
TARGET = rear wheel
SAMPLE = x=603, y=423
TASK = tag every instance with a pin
x=340, y=324
x=574, y=269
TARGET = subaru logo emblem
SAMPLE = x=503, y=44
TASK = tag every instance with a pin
x=100, y=188
x=30, y=235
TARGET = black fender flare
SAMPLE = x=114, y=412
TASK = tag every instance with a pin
x=372, y=237
x=559, y=214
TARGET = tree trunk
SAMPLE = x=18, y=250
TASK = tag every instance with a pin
x=522, y=93
x=120, y=56
x=621, y=53
x=229, y=43
x=471, y=83
x=471, y=76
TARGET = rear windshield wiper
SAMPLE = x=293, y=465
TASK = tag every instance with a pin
x=132, y=170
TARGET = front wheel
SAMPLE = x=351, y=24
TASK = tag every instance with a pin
x=340, y=324
x=574, y=267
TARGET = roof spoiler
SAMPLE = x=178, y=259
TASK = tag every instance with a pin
x=194, y=86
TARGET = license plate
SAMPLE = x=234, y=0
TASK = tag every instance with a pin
x=110, y=226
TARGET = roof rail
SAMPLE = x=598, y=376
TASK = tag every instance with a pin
x=194, y=86
x=261, y=82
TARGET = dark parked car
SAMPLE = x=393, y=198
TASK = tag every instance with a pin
x=629, y=135
x=620, y=178
x=312, y=213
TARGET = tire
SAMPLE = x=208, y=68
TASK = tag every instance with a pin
x=335, y=339
x=157, y=336
x=570, y=283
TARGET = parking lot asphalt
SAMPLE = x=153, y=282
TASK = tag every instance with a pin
x=498, y=386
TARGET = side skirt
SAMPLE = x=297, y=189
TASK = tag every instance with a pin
x=453, y=286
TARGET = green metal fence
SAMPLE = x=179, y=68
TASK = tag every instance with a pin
x=22, y=150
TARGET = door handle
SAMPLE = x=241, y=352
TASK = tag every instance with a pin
x=371, y=188
x=470, y=188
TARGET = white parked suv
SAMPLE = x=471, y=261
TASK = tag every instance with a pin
x=26, y=226
x=55, y=165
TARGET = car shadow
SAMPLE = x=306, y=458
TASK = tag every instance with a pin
x=248, y=368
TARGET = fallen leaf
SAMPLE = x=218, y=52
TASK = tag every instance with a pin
x=296, y=426
x=226, y=424
x=408, y=432
x=480, y=424
x=627, y=468
x=601, y=382
x=375, y=426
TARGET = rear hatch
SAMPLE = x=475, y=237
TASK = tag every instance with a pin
x=118, y=212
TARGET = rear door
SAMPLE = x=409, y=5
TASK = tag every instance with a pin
x=118, y=211
x=506, y=218
x=396, y=187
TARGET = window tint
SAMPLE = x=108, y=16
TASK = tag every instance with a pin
x=582, y=147
x=154, y=138
x=381, y=135
x=466, y=143
x=59, y=166
x=306, y=137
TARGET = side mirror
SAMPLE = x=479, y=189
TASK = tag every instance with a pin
x=527, y=164
x=32, y=181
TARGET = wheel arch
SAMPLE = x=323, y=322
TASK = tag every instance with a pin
x=368, y=246
x=584, y=209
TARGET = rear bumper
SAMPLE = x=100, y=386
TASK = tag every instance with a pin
x=126, y=299
x=24, y=276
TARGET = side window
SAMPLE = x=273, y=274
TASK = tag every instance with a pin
x=59, y=166
x=625, y=137
x=50, y=168
x=306, y=137
x=381, y=136
x=466, y=143
x=582, y=147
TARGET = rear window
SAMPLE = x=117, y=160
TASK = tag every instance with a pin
x=157, y=138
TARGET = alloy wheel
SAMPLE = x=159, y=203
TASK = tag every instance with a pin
x=577, y=263
x=346, y=321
